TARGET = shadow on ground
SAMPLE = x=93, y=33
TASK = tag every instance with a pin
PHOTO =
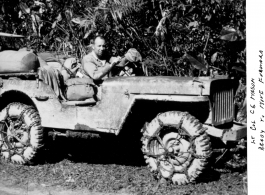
x=108, y=149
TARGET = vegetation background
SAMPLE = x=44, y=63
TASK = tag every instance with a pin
x=175, y=37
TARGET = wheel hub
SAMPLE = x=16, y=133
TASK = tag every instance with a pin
x=173, y=153
x=177, y=148
x=17, y=136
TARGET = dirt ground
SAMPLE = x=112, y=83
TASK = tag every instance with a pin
x=10, y=188
x=228, y=184
x=101, y=172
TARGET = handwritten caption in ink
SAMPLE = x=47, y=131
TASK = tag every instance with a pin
x=257, y=104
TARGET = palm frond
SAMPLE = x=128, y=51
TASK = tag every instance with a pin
x=119, y=8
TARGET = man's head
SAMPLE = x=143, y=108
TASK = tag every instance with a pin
x=99, y=46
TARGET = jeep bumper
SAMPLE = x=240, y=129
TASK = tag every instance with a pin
x=235, y=133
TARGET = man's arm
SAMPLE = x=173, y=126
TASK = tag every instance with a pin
x=91, y=69
x=95, y=73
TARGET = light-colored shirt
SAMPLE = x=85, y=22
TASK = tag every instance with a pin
x=92, y=66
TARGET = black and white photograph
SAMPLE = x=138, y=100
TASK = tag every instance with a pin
x=132, y=97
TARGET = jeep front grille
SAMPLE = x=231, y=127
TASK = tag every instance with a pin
x=223, y=106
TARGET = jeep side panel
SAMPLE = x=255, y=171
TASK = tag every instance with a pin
x=117, y=97
x=44, y=99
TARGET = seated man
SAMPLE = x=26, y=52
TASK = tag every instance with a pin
x=96, y=65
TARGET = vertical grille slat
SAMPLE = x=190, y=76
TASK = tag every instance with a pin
x=230, y=97
x=226, y=103
x=218, y=107
x=215, y=106
x=221, y=105
x=223, y=108
x=231, y=103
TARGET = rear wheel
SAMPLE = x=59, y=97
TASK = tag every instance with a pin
x=176, y=147
x=21, y=134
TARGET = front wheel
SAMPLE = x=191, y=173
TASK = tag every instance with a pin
x=176, y=147
x=21, y=134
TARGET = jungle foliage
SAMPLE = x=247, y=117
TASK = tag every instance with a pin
x=178, y=37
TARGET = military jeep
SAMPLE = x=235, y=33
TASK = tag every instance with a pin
x=180, y=118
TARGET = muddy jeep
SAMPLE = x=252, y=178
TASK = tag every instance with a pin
x=178, y=118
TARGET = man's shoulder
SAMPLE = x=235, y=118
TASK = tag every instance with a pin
x=89, y=56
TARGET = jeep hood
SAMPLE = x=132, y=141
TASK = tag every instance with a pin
x=161, y=85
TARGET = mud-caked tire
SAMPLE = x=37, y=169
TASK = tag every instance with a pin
x=176, y=147
x=21, y=134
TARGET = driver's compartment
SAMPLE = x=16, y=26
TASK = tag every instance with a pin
x=41, y=71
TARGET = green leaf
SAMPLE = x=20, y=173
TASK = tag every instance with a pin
x=3, y=8
x=51, y=33
x=82, y=23
x=194, y=24
x=230, y=37
x=201, y=58
x=237, y=68
x=68, y=44
x=88, y=33
x=54, y=24
x=76, y=20
x=214, y=57
x=208, y=17
x=24, y=8
x=196, y=63
x=19, y=14
x=176, y=48
x=59, y=17
x=229, y=34
x=227, y=30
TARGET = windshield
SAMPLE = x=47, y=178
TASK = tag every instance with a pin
x=10, y=41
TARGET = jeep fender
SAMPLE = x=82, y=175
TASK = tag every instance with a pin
x=42, y=97
x=160, y=98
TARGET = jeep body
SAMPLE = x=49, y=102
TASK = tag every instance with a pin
x=213, y=98
x=177, y=113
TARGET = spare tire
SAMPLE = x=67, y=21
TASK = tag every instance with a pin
x=18, y=62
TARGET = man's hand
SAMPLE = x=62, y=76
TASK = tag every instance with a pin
x=114, y=61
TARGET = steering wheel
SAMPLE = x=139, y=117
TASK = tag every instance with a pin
x=130, y=69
